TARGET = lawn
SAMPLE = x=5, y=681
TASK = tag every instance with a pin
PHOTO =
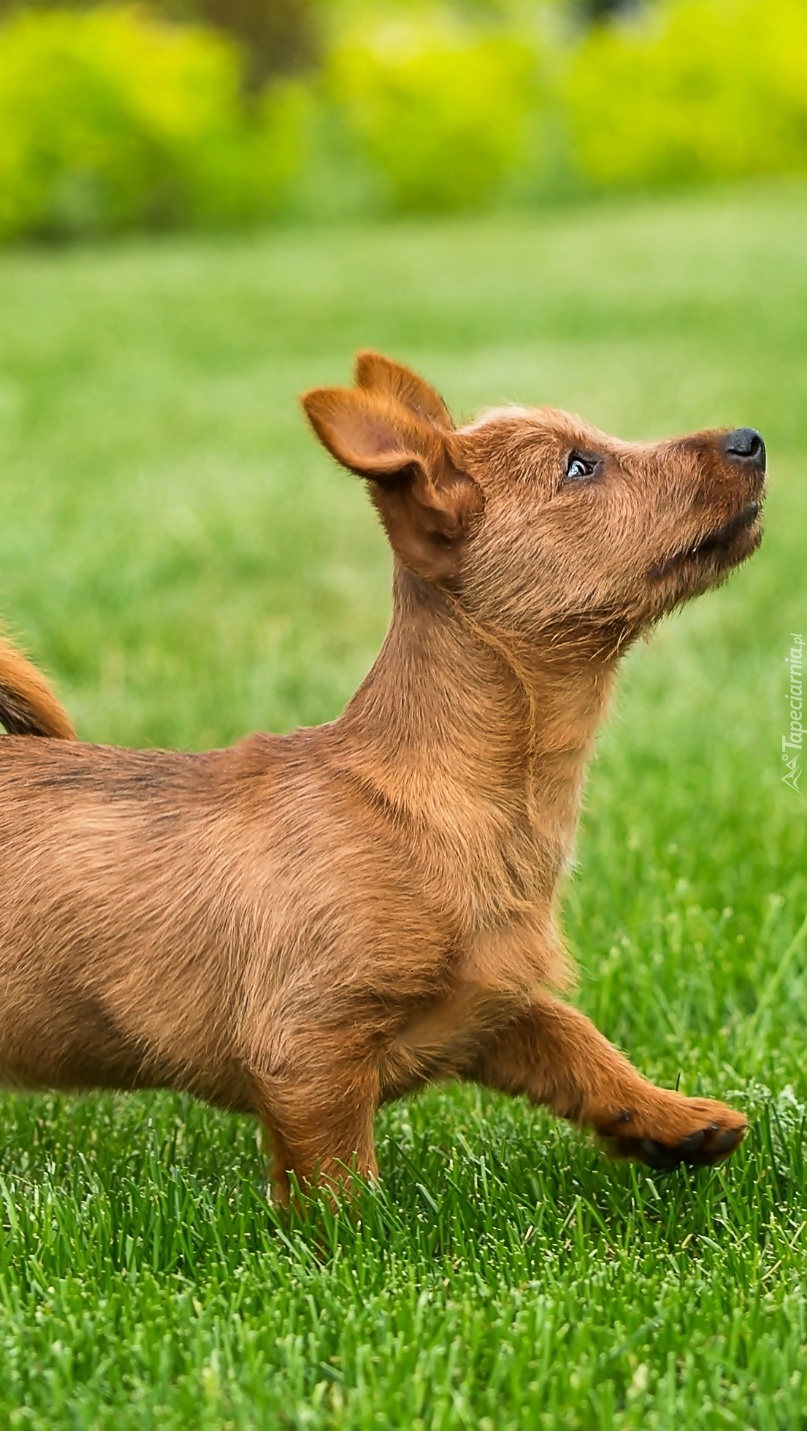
x=189, y=566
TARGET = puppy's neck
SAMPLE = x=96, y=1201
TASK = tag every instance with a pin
x=484, y=747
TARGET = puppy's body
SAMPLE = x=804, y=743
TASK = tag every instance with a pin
x=303, y=926
x=192, y=902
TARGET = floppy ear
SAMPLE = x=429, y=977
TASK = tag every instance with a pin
x=426, y=504
x=375, y=373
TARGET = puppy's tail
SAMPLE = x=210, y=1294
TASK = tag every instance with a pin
x=27, y=703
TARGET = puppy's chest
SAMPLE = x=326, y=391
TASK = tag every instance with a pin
x=497, y=975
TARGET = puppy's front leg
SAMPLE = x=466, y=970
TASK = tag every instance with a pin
x=319, y=1124
x=555, y=1055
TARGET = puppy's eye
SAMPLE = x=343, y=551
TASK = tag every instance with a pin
x=580, y=465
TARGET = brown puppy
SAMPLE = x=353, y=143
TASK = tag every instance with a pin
x=304, y=926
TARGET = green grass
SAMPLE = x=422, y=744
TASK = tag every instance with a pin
x=179, y=554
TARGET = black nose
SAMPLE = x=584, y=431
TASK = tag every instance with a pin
x=745, y=445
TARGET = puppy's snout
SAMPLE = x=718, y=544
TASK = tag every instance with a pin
x=745, y=445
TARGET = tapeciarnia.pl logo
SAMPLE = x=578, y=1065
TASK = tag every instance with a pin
x=793, y=742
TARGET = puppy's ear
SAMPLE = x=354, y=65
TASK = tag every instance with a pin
x=426, y=503
x=375, y=373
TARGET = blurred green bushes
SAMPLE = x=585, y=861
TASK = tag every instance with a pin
x=275, y=36
x=110, y=120
x=699, y=89
x=439, y=109
x=116, y=117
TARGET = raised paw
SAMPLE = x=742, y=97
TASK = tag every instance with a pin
x=674, y=1130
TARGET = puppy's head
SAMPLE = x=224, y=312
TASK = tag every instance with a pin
x=538, y=524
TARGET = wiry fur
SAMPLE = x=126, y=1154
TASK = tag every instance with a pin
x=303, y=926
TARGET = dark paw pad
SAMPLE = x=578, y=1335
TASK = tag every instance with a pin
x=706, y=1145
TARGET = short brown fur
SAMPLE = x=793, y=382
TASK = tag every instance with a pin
x=304, y=926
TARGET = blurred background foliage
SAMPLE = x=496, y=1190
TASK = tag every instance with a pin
x=228, y=113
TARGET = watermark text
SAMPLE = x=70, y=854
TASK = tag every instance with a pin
x=793, y=742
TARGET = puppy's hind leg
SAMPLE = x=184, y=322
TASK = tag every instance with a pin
x=556, y=1056
x=319, y=1125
